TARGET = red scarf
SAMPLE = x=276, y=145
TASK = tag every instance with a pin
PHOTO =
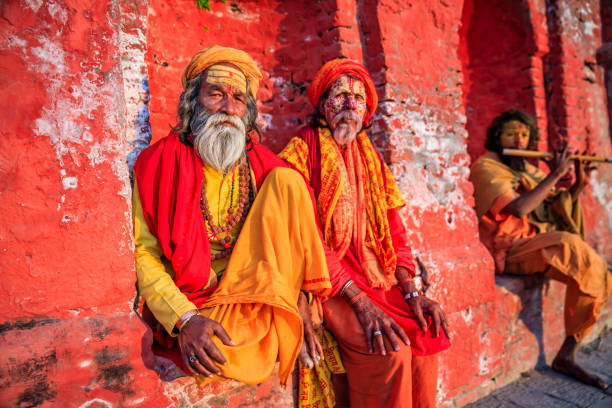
x=169, y=176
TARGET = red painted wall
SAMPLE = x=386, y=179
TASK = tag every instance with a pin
x=67, y=333
x=85, y=84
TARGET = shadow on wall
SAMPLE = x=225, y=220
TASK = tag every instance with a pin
x=495, y=49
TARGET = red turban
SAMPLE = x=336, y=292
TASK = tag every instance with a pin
x=333, y=70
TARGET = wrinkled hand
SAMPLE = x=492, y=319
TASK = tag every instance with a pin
x=311, y=352
x=195, y=339
x=422, y=305
x=373, y=321
x=560, y=163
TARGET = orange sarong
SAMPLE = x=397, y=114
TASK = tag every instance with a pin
x=566, y=257
x=278, y=252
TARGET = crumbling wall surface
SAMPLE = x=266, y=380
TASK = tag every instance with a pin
x=423, y=118
x=67, y=334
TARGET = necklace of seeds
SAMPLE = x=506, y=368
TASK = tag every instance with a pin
x=244, y=194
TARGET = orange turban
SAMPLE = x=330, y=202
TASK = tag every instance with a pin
x=217, y=54
x=333, y=70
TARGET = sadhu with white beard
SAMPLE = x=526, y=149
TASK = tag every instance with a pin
x=223, y=243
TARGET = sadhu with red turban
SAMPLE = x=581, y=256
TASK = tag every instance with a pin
x=223, y=245
x=386, y=329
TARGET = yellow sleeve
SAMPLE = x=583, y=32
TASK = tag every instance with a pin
x=155, y=278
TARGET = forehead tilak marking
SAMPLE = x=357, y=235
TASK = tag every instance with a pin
x=227, y=76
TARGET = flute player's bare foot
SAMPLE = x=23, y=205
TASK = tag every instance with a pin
x=565, y=363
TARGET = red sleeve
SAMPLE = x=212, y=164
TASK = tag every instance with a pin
x=337, y=274
x=400, y=241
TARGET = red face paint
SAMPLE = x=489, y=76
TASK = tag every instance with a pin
x=346, y=93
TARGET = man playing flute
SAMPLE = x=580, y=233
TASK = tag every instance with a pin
x=531, y=226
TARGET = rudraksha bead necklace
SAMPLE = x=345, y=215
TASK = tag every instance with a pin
x=245, y=198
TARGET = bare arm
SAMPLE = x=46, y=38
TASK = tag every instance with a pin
x=526, y=203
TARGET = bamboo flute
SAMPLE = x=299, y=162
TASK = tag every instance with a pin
x=536, y=154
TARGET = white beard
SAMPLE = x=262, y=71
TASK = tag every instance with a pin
x=345, y=127
x=219, y=145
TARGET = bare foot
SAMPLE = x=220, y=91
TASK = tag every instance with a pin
x=571, y=368
x=565, y=363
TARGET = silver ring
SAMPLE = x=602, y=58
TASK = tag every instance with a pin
x=193, y=359
x=377, y=333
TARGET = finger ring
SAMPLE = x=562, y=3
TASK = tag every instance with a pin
x=192, y=359
x=377, y=333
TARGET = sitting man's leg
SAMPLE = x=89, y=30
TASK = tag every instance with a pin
x=278, y=252
x=374, y=380
x=568, y=258
x=424, y=381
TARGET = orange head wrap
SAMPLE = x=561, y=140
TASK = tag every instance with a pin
x=333, y=70
x=217, y=54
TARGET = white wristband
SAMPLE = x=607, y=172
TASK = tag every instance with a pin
x=409, y=295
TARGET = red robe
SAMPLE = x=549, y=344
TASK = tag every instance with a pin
x=390, y=301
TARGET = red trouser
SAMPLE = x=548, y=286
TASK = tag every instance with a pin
x=398, y=379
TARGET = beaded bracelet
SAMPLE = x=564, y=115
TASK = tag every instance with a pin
x=185, y=319
x=346, y=285
x=356, y=298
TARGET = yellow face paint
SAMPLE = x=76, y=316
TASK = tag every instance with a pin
x=227, y=76
x=515, y=135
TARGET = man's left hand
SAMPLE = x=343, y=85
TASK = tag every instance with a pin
x=421, y=305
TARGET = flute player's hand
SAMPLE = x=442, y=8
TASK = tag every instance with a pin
x=560, y=163
x=583, y=172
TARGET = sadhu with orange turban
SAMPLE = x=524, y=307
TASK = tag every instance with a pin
x=217, y=220
x=358, y=204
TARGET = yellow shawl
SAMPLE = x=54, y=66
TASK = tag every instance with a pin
x=353, y=196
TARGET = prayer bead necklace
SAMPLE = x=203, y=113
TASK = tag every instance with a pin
x=245, y=199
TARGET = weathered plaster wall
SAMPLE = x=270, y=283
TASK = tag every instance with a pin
x=86, y=85
x=68, y=335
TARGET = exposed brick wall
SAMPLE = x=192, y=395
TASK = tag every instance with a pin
x=577, y=104
x=87, y=84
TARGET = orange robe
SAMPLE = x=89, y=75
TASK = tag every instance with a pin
x=369, y=241
x=277, y=253
x=549, y=240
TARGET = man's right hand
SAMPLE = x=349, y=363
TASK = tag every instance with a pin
x=195, y=340
x=376, y=324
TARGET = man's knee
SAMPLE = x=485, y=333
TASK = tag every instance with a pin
x=576, y=244
x=284, y=175
x=288, y=180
